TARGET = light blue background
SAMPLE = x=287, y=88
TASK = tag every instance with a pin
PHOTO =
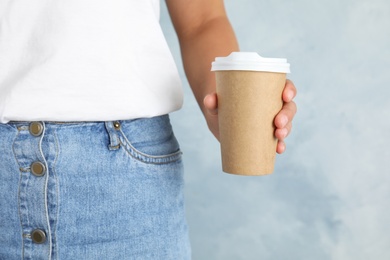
x=329, y=196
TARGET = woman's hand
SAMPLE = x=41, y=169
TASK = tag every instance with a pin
x=282, y=121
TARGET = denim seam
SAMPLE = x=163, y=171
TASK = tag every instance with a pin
x=151, y=159
x=57, y=192
x=49, y=240
x=22, y=169
x=19, y=186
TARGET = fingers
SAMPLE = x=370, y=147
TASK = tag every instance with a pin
x=283, y=120
x=211, y=103
x=286, y=115
x=289, y=91
x=281, y=147
x=282, y=133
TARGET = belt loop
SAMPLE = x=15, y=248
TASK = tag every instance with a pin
x=113, y=134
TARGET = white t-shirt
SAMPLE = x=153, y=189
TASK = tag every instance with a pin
x=84, y=60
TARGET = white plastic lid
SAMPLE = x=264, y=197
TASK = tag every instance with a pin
x=250, y=61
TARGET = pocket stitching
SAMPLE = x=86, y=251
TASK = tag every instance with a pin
x=146, y=158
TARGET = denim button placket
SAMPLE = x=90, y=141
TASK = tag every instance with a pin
x=29, y=147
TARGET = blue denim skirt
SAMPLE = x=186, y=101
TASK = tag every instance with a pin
x=92, y=190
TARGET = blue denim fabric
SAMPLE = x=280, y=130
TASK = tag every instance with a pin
x=106, y=193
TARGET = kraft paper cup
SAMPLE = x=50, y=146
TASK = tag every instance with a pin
x=249, y=90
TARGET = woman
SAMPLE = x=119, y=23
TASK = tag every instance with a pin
x=90, y=167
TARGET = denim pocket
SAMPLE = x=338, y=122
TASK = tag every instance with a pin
x=150, y=140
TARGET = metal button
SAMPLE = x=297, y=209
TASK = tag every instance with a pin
x=117, y=125
x=38, y=236
x=38, y=169
x=36, y=128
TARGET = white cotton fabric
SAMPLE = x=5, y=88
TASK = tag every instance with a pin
x=84, y=60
